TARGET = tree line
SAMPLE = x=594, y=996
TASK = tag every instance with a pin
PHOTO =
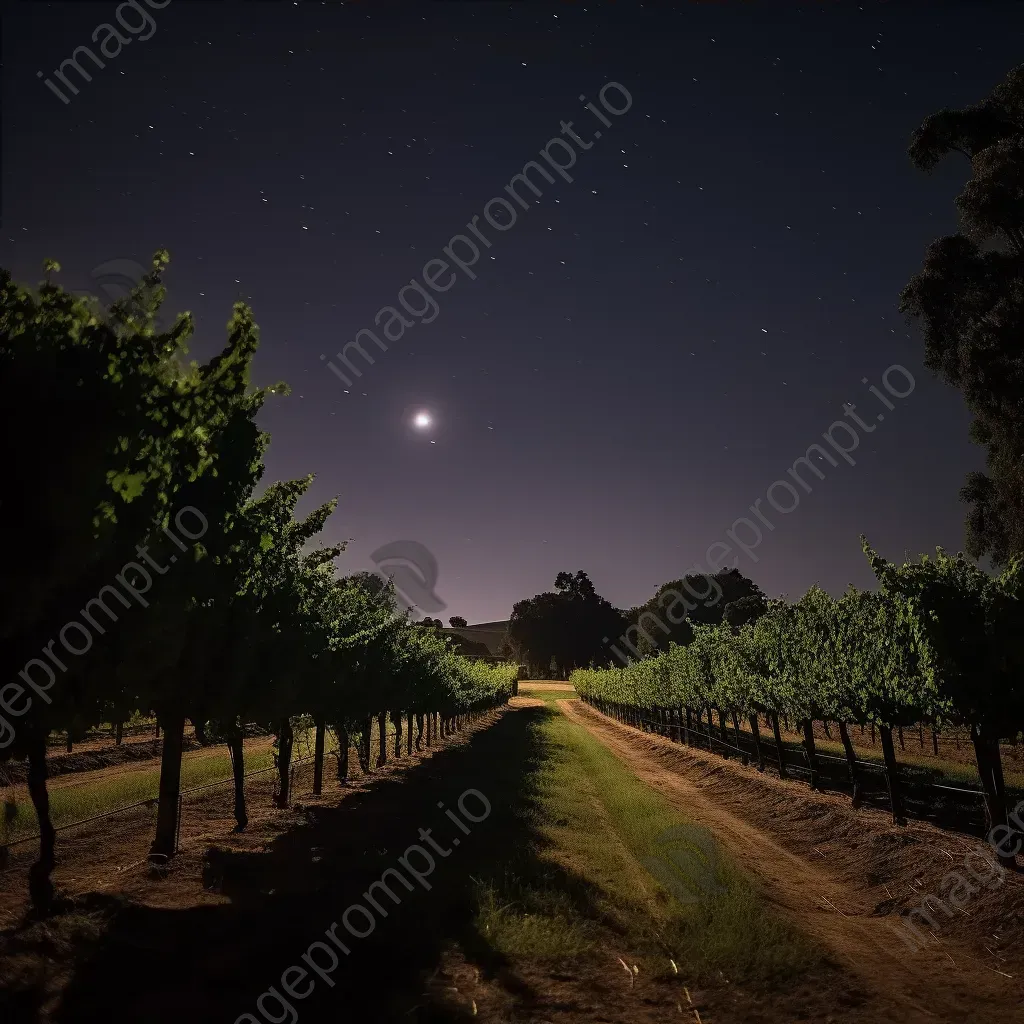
x=116, y=432
x=573, y=626
x=968, y=300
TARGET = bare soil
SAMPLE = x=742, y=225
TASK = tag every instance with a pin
x=540, y=684
x=201, y=939
x=843, y=876
x=110, y=853
x=526, y=701
x=94, y=755
x=98, y=737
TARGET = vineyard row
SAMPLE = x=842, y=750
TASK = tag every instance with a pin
x=940, y=642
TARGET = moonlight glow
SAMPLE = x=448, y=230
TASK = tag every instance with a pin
x=422, y=420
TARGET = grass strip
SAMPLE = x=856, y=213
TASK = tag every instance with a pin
x=618, y=858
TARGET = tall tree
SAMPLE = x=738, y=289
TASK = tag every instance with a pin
x=969, y=301
x=571, y=626
x=679, y=605
x=744, y=609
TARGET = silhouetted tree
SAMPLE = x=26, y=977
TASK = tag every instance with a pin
x=744, y=609
x=969, y=301
x=571, y=627
x=677, y=606
x=457, y=620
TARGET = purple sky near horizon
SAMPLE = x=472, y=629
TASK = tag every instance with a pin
x=651, y=345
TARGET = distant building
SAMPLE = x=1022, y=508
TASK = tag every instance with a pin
x=482, y=639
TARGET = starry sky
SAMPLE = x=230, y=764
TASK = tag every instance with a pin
x=640, y=356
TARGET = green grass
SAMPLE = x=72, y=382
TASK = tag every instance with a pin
x=77, y=800
x=72, y=800
x=603, y=833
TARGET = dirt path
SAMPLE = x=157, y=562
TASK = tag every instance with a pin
x=931, y=986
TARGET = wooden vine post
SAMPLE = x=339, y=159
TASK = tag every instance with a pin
x=851, y=762
x=755, y=731
x=778, y=745
x=812, y=755
x=318, y=758
x=892, y=775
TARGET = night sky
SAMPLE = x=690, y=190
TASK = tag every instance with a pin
x=641, y=354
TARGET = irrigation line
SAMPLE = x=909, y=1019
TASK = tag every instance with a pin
x=248, y=775
x=952, y=789
x=873, y=766
x=659, y=726
x=84, y=821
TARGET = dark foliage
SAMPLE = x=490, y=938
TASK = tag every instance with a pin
x=969, y=302
x=569, y=628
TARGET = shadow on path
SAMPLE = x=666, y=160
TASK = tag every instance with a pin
x=211, y=963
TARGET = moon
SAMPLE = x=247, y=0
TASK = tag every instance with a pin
x=422, y=420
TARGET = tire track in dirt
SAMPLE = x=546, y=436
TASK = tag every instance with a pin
x=907, y=987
